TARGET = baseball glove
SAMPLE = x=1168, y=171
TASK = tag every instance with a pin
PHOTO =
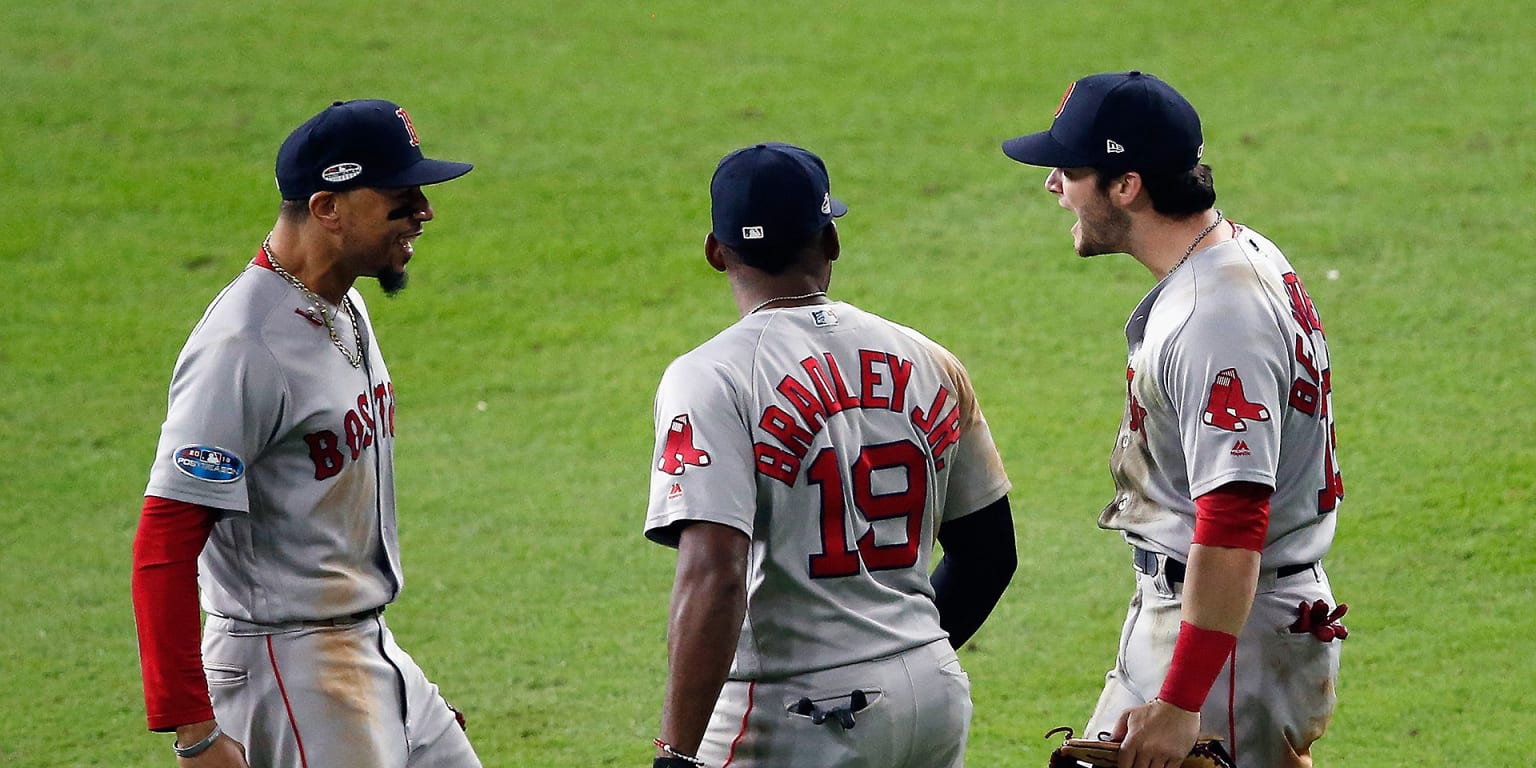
x=1078, y=753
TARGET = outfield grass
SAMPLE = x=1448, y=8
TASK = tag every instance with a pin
x=1387, y=141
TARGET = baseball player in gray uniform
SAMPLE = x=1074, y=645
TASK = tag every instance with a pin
x=1226, y=477
x=275, y=465
x=805, y=459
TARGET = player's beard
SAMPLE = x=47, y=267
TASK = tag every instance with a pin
x=393, y=282
x=1102, y=228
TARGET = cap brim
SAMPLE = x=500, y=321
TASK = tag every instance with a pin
x=425, y=172
x=1043, y=150
x=838, y=208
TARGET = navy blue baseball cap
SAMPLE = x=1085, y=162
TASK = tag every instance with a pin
x=1116, y=122
x=361, y=143
x=770, y=195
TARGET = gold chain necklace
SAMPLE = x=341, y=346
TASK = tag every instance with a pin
x=811, y=295
x=356, y=359
x=1198, y=238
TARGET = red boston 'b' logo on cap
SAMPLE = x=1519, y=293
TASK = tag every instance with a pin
x=410, y=129
x=1064, y=97
x=679, y=450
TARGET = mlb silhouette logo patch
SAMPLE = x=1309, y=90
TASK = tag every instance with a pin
x=751, y=233
x=823, y=318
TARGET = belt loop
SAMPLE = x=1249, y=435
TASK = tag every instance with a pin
x=1154, y=566
x=1144, y=561
x=1160, y=577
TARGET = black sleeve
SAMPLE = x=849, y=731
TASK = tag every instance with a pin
x=979, y=560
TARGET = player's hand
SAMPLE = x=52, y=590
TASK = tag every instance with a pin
x=1156, y=735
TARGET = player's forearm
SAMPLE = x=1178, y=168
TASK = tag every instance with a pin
x=164, y=586
x=1218, y=587
x=1218, y=593
x=708, y=603
x=979, y=561
x=704, y=633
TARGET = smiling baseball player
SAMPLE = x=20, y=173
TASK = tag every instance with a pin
x=1227, y=483
x=276, y=464
x=805, y=459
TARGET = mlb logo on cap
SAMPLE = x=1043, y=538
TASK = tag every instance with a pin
x=771, y=195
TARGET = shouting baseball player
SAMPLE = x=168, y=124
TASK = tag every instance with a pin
x=276, y=463
x=1226, y=478
x=805, y=459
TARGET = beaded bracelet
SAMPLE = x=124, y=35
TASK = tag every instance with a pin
x=672, y=752
x=200, y=747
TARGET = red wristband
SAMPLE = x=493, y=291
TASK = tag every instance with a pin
x=1198, y=657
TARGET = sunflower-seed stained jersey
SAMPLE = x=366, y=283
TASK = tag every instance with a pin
x=868, y=427
x=269, y=422
x=1228, y=381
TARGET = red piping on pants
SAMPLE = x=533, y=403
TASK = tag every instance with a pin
x=303, y=761
x=743, y=732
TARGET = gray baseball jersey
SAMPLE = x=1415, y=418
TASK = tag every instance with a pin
x=1228, y=381
x=839, y=442
x=270, y=422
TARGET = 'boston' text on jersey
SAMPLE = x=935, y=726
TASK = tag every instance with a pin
x=360, y=425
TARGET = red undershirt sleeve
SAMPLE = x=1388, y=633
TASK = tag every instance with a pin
x=170, y=537
x=1234, y=516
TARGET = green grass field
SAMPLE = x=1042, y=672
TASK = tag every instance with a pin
x=1386, y=142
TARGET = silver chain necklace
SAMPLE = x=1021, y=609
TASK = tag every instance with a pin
x=356, y=359
x=811, y=295
x=1198, y=238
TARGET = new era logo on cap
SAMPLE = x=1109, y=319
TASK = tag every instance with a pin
x=362, y=143
x=770, y=195
x=1116, y=122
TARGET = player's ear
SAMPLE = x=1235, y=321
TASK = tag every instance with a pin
x=714, y=253
x=323, y=208
x=831, y=246
x=1124, y=189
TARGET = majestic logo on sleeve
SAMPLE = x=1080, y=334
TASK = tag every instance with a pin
x=1228, y=408
x=680, y=450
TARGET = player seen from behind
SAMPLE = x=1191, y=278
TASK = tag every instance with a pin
x=805, y=459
